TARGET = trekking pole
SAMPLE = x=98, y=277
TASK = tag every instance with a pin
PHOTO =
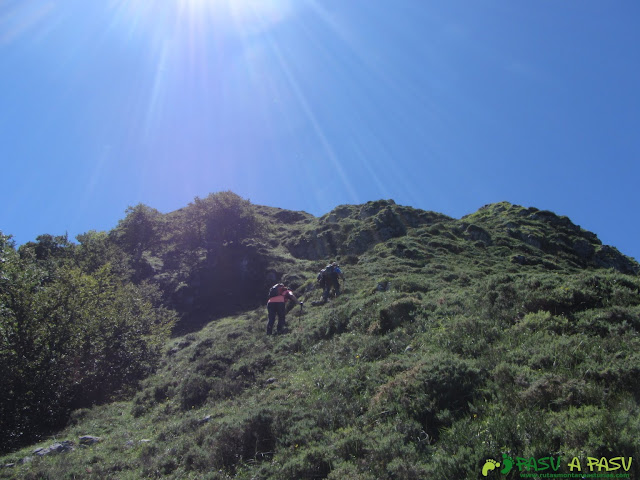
x=300, y=312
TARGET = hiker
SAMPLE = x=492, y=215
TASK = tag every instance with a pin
x=329, y=277
x=278, y=296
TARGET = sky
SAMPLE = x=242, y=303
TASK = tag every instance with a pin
x=442, y=105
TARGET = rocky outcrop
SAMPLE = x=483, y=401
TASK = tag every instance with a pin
x=60, y=447
x=539, y=234
x=477, y=234
x=610, y=257
x=354, y=229
x=65, y=446
x=88, y=440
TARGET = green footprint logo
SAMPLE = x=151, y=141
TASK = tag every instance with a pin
x=507, y=461
x=489, y=465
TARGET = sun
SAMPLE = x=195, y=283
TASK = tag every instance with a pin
x=249, y=16
x=236, y=17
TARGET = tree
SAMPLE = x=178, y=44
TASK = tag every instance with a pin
x=96, y=249
x=137, y=234
x=137, y=231
x=69, y=339
x=230, y=219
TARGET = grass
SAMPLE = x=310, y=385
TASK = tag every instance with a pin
x=441, y=353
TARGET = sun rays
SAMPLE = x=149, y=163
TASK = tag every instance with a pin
x=205, y=93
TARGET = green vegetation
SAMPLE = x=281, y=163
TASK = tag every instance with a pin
x=69, y=338
x=511, y=331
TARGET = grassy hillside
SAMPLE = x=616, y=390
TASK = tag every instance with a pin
x=511, y=332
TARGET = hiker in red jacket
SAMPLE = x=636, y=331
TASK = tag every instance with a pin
x=278, y=295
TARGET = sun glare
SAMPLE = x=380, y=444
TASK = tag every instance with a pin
x=248, y=16
x=252, y=16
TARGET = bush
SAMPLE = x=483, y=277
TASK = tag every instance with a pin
x=69, y=340
x=436, y=384
x=194, y=391
x=397, y=313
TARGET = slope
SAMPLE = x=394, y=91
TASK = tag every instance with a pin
x=510, y=331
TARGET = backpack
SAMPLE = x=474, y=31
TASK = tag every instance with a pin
x=275, y=290
x=325, y=273
x=328, y=271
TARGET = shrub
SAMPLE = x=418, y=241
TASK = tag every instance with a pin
x=194, y=391
x=438, y=382
x=230, y=443
x=397, y=313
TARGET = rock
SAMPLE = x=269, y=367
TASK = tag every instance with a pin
x=89, y=440
x=478, y=234
x=610, y=257
x=532, y=240
x=289, y=217
x=583, y=248
x=271, y=380
x=205, y=420
x=61, y=447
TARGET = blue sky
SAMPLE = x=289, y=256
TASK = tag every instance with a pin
x=309, y=104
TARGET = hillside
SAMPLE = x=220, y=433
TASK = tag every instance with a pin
x=509, y=334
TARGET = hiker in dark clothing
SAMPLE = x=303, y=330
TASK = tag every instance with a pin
x=329, y=277
x=278, y=296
